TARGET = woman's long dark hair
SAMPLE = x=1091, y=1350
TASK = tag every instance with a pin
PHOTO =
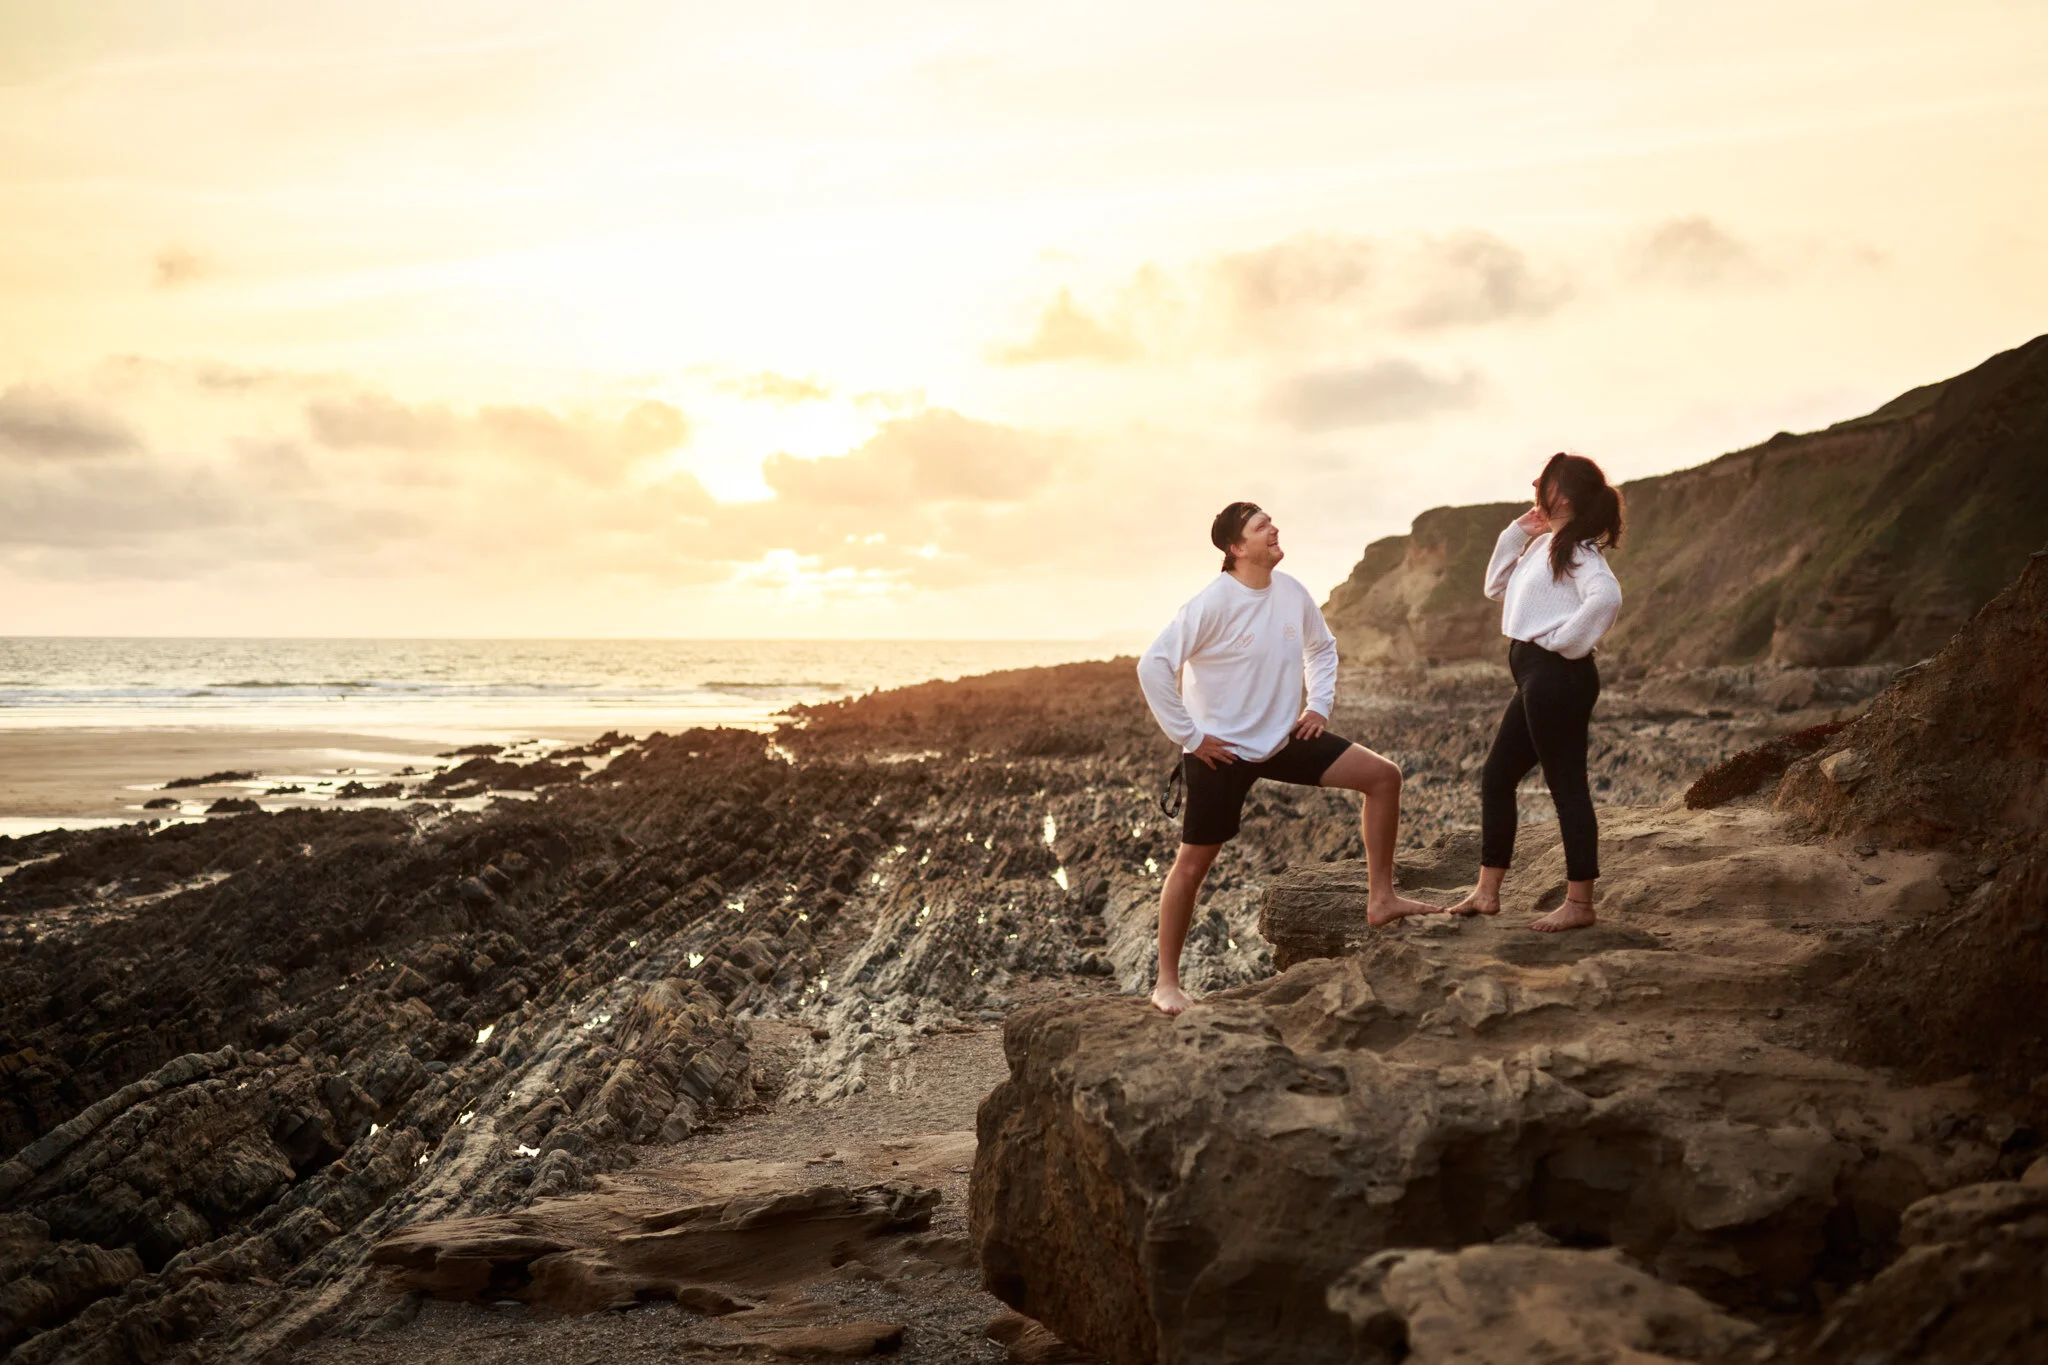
x=1596, y=508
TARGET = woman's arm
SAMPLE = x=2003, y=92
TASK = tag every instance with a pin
x=1507, y=552
x=1599, y=603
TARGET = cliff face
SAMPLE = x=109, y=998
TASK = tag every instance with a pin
x=1871, y=541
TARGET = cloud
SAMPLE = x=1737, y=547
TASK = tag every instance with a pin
x=591, y=446
x=377, y=419
x=939, y=456
x=1311, y=271
x=780, y=389
x=41, y=425
x=177, y=265
x=1697, y=253
x=330, y=478
x=1473, y=278
x=1391, y=390
x=374, y=485
x=1305, y=293
x=930, y=500
x=1066, y=331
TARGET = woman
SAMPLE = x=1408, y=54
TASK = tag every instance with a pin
x=1559, y=597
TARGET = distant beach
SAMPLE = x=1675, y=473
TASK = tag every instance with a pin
x=91, y=729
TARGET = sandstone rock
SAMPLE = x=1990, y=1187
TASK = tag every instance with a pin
x=1956, y=755
x=830, y=1341
x=1321, y=911
x=1959, y=1214
x=1752, y=769
x=1510, y=1305
x=587, y=1253
x=1956, y=745
x=1026, y=1342
x=1185, y=1190
x=1845, y=768
x=1790, y=690
x=1967, y=1291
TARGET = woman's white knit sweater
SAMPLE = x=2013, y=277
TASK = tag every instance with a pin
x=1565, y=615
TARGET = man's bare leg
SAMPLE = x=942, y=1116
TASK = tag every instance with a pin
x=1176, y=913
x=1575, y=913
x=1485, y=897
x=1378, y=780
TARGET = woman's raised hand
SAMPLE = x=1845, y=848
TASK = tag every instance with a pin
x=1533, y=521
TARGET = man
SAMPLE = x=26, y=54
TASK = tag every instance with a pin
x=1245, y=642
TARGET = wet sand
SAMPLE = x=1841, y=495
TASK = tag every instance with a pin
x=50, y=776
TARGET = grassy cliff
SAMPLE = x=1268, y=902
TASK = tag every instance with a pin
x=1870, y=541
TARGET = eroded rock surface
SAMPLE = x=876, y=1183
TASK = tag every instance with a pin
x=1186, y=1190
x=586, y=1254
x=1967, y=1291
x=1510, y=1305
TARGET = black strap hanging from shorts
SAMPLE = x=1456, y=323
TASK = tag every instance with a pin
x=1174, y=794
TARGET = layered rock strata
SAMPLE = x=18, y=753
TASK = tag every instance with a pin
x=1188, y=1190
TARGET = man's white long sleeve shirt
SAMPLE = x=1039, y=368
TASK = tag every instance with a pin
x=1235, y=664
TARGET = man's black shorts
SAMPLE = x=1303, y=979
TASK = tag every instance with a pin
x=1216, y=795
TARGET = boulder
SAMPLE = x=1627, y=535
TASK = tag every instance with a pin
x=1509, y=1305
x=1956, y=747
x=1188, y=1189
x=1967, y=1291
x=593, y=1252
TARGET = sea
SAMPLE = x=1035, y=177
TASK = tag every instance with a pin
x=459, y=688
x=92, y=731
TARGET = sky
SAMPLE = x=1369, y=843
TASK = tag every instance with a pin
x=903, y=319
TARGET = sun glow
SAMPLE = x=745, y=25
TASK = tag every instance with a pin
x=303, y=303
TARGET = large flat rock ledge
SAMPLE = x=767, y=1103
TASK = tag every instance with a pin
x=1191, y=1189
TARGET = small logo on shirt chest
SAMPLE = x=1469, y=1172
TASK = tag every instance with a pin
x=1291, y=633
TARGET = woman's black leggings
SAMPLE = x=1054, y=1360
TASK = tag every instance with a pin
x=1545, y=723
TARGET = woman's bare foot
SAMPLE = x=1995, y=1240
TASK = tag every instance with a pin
x=1476, y=904
x=1169, y=1000
x=1571, y=915
x=1380, y=912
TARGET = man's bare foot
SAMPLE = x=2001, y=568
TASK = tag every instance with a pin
x=1475, y=904
x=1571, y=915
x=1169, y=1000
x=1379, y=913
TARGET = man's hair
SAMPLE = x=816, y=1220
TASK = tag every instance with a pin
x=1228, y=529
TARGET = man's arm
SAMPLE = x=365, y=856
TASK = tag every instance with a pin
x=1159, y=675
x=1319, y=666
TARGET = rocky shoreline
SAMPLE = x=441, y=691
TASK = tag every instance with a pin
x=624, y=1062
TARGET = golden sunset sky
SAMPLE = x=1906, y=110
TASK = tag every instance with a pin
x=923, y=319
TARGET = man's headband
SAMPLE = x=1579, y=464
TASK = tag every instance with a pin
x=1228, y=528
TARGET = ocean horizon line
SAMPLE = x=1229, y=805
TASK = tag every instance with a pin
x=617, y=639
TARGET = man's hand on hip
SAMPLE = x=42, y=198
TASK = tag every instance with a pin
x=1310, y=725
x=1213, y=751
